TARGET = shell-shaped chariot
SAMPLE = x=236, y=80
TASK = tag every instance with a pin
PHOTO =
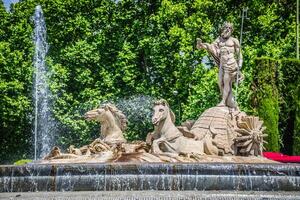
x=232, y=132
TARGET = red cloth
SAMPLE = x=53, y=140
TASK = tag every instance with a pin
x=281, y=157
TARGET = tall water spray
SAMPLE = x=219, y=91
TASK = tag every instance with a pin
x=43, y=120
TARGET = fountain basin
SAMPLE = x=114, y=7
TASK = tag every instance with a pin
x=149, y=176
x=153, y=195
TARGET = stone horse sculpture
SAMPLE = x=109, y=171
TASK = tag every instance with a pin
x=113, y=123
x=112, y=148
x=216, y=130
x=166, y=136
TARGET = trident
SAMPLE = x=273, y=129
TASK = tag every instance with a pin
x=244, y=15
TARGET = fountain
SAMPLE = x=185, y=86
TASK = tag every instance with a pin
x=221, y=150
x=112, y=164
x=43, y=121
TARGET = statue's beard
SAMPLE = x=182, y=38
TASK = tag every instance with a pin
x=226, y=34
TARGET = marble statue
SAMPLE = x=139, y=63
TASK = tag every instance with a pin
x=218, y=131
x=227, y=132
x=218, y=135
x=166, y=137
x=113, y=123
x=227, y=54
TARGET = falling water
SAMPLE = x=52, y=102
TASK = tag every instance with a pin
x=43, y=121
x=137, y=108
x=145, y=177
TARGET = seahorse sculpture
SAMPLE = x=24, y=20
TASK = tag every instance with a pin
x=113, y=123
x=166, y=137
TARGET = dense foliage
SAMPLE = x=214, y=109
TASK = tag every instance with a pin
x=266, y=98
x=276, y=100
x=296, y=138
x=114, y=51
x=289, y=121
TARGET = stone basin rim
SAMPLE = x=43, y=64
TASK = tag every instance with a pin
x=156, y=163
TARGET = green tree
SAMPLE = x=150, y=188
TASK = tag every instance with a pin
x=15, y=86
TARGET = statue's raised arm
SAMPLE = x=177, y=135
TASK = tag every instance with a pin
x=211, y=48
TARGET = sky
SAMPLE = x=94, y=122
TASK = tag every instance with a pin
x=8, y=2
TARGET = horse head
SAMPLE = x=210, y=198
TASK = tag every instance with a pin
x=113, y=122
x=108, y=112
x=161, y=111
x=98, y=114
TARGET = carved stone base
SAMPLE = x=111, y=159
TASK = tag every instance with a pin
x=150, y=158
x=233, y=132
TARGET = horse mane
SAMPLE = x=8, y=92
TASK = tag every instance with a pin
x=119, y=116
x=165, y=103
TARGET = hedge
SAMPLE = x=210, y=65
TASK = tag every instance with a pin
x=289, y=105
x=266, y=98
x=276, y=94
